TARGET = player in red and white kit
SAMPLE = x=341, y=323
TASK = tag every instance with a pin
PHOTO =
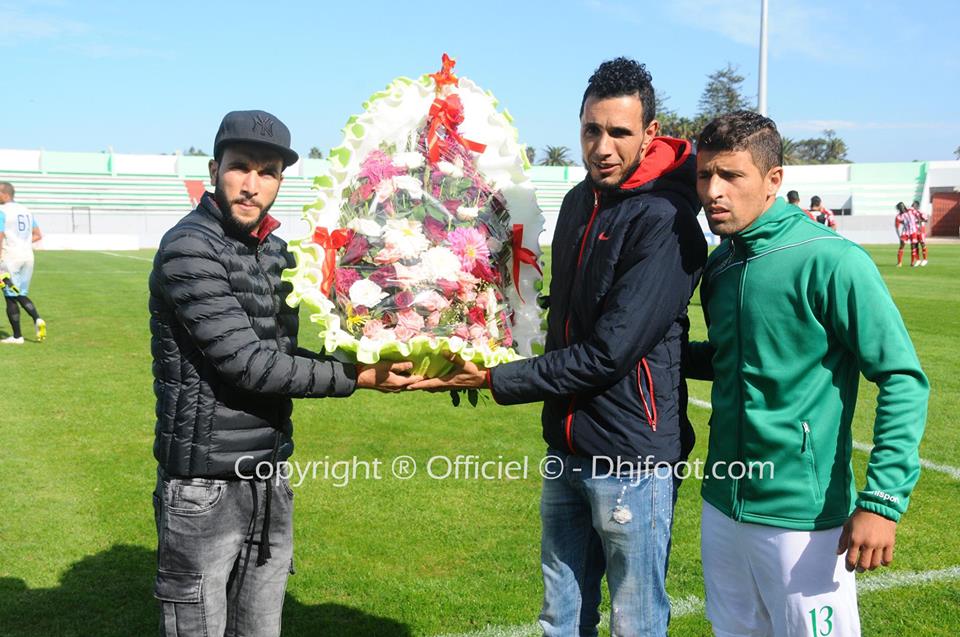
x=922, y=219
x=906, y=225
x=821, y=214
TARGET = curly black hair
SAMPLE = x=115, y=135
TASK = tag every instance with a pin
x=744, y=130
x=623, y=76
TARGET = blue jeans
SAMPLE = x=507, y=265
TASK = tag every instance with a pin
x=618, y=525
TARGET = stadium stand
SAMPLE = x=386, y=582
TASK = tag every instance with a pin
x=131, y=200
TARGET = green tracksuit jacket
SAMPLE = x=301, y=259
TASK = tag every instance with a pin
x=795, y=314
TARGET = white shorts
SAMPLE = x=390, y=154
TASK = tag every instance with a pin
x=764, y=581
x=20, y=273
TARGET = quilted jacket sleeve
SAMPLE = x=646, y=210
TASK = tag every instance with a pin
x=196, y=285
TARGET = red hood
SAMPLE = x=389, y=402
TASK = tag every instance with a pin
x=664, y=155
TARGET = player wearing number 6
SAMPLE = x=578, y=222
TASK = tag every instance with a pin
x=18, y=232
x=795, y=314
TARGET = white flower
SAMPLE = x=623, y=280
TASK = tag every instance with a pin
x=467, y=213
x=366, y=227
x=412, y=185
x=406, y=237
x=366, y=293
x=492, y=313
x=440, y=263
x=451, y=170
x=410, y=161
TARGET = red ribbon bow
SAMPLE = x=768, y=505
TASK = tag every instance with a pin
x=447, y=112
x=330, y=242
x=521, y=255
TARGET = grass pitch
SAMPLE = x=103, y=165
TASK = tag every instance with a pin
x=380, y=557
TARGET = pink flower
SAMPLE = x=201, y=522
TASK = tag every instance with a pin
x=345, y=277
x=462, y=331
x=435, y=230
x=449, y=288
x=356, y=249
x=377, y=167
x=409, y=324
x=431, y=301
x=433, y=320
x=387, y=255
x=470, y=245
x=478, y=334
x=373, y=329
x=507, y=337
x=404, y=334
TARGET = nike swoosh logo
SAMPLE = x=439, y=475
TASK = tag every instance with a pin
x=603, y=236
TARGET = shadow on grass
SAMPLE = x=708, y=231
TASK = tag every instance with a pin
x=111, y=595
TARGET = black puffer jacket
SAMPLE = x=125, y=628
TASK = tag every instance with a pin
x=225, y=356
x=624, y=265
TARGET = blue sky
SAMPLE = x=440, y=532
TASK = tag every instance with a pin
x=156, y=77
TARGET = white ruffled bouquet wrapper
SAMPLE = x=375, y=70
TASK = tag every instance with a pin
x=424, y=235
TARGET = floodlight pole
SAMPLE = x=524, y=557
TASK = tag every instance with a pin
x=762, y=89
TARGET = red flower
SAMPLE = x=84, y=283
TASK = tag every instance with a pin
x=403, y=299
x=482, y=270
x=435, y=230
x=475, y=316
x=357, y=247
x=385, y=277
x=345, y=277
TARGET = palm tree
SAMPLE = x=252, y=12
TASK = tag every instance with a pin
x=555, y=156
x=791, y=151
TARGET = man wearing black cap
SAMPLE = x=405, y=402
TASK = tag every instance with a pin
x=226, y=366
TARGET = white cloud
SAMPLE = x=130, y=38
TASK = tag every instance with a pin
x=795, y=27
x=17, y=27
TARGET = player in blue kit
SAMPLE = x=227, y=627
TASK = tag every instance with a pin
x=18, y=232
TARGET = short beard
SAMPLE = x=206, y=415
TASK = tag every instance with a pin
x=628, y=173
x=228, y=219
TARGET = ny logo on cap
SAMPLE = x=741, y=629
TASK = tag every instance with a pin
x=265, y=124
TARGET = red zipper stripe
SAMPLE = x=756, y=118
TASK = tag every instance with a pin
x=651, y=413
x=569, y=426
x=568, y=429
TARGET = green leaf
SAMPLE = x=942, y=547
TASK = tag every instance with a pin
x=455, y=397
x=358, y=130
x=473, y=396
x=341, y=154
x=323, y=181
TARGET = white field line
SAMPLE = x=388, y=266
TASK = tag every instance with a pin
x=693, y=605
x=946, y=469
x=953, y=472
x=127, y=256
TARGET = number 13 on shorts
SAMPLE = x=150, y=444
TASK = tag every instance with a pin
x=821, y=620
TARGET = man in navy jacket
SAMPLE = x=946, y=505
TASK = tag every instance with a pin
x=627, y=254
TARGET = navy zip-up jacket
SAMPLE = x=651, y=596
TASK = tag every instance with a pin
x=624, y=265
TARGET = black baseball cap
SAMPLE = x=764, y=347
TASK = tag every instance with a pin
x=255, y=127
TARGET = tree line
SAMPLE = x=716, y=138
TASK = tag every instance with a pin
x=723, y=93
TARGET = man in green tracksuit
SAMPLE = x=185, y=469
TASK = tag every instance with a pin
x=795, y=314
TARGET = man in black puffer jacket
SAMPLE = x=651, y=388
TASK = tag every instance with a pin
x=626, y=257
x=226, y=365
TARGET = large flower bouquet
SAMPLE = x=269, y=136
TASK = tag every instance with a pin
x=423, y=238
